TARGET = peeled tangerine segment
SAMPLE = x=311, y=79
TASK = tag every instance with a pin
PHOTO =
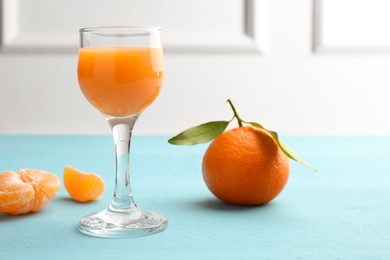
x=82, y=186
x=27, y=190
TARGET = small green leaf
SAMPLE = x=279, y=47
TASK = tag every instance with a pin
x=285, y=149
x=200, y=134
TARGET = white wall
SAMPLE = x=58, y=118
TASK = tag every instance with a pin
x=313, y=67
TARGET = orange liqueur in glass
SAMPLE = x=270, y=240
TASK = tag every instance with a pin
x=120, y=72
x=120, y=81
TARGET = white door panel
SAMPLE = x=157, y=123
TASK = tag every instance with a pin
x=286, y=64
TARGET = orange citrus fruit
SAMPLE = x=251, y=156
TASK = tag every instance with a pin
x=245, y=166
x=27, y=190
x=82, y=186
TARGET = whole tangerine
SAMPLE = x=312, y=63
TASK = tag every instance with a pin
x=245, y=166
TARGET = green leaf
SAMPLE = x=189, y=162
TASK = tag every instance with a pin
x=285, y=149
x=200, y=134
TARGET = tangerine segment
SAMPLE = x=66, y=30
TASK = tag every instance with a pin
x=245, y=166
x=27, y=190
x=83, y=186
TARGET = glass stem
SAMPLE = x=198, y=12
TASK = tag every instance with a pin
x=122, y=130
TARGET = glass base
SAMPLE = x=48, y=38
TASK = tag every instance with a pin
x=123, y=223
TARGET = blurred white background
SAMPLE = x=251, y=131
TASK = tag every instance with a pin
x=304, y=67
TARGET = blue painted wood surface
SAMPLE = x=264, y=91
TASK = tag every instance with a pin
x=341, y=212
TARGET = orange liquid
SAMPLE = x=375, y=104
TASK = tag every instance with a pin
x=120, y=81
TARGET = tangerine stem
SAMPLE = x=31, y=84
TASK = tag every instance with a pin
x=239, y=120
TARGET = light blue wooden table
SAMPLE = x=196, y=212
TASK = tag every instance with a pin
x=341, y=212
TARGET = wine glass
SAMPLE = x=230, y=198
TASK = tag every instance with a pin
x=120, y=72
